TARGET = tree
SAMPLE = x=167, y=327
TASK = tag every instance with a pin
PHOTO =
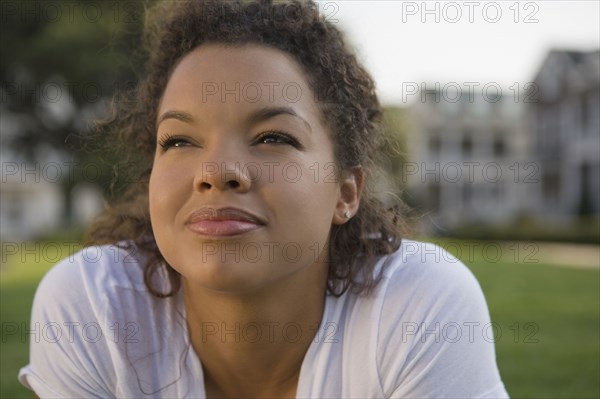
x=60, y=63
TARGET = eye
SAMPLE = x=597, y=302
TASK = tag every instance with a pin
x=277, y=138
x=168, y=141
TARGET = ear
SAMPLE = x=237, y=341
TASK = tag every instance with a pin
x=351, y=187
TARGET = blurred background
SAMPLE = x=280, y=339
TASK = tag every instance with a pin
x=493, y=110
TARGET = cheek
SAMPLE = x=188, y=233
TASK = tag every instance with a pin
x=166, y=190
x=166, y=195
x=307, y=203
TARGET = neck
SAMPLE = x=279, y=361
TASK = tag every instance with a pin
x=253, y=344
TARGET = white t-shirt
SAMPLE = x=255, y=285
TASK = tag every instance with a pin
x=423, y=333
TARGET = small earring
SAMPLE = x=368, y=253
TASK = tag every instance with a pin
x=347, y=214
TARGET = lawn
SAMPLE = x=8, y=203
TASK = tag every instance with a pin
x=21, y=271
x=548, y=342
x=547, y=321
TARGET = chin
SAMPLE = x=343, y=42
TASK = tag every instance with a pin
x=232, y=278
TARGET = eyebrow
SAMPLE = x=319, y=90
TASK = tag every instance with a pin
x=178, y=115
x=271, y=112
x=256, y=117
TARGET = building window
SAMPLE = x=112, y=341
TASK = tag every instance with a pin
x=584, y=111
x=467, y=194
x=551, y=185
x=434, y=144
x=499, y=146
x=433, y=196
x=467, y=144
x=497, y=192
x=586, y=206
x=14, y=208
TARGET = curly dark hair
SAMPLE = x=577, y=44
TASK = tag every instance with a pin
x=345, y=94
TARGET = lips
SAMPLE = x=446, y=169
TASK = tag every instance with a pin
x=222, y=222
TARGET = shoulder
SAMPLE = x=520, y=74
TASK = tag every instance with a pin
x=425, y=288
x=418, y=259
x=112, y=336
x=69, y=349
x=417, y=281
x=94, y=268
x=433, y=337
x=91, y=276
x=420, y=275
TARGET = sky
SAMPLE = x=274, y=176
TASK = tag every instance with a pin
x=407, y=44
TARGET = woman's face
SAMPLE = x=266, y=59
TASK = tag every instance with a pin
x=243, y=190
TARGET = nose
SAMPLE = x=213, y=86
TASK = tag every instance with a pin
x=222, y=176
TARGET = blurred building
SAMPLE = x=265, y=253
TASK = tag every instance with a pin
x=29, y=209
x=33, y=199
x=469, y=158
x=33, y=203
x=480, y=159
x=29, y=203
x=565, y=124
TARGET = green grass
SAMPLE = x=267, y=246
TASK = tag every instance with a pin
x=19, y=276
x=548, y=317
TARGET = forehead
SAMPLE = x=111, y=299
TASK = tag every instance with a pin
x=246, y=74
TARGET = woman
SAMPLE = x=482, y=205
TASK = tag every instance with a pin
x=252, y=259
